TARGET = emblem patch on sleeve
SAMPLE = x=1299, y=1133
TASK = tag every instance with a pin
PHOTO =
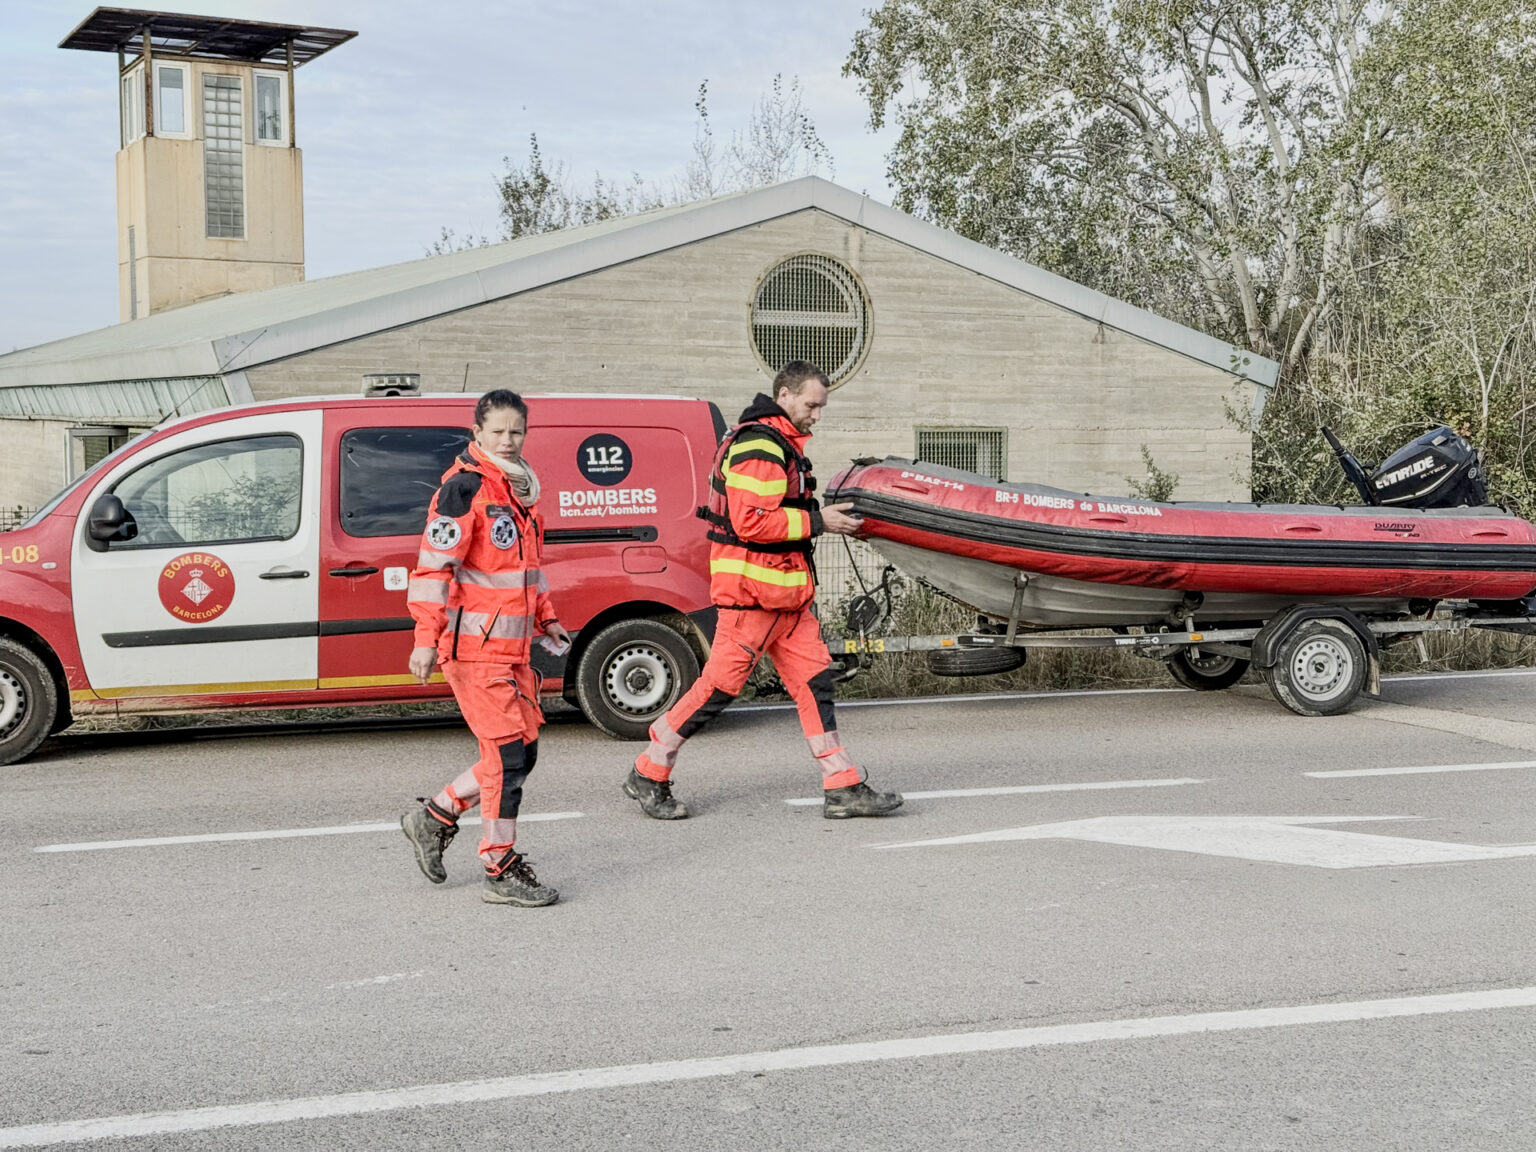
x=503, y=532
x=444, y=533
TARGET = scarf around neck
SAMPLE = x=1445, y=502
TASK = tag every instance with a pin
x=521, y=477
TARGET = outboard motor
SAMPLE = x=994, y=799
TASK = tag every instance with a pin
x=1438, y=470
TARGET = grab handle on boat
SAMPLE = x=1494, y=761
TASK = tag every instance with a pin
x=1104, y=518
x=1303, y=528
x=1494, y=533
x=911, y=486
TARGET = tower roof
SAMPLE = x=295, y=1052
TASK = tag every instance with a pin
x=210, y=37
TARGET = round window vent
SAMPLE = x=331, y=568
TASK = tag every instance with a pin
x=811, y=307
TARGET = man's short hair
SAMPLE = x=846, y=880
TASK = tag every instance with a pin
x=794, y=375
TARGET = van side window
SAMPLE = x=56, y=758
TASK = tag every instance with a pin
x=388, y=476
x=222, y=493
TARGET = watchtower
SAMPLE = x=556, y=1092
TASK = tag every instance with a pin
x=210, y=179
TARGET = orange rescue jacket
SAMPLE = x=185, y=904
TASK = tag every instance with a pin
x=478, y=591
x=762, y=514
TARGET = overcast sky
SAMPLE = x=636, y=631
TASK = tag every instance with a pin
x=404, y=128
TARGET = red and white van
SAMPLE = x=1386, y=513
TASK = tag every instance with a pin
x=257, y=557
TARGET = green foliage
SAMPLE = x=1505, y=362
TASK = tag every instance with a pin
x=1158, y=485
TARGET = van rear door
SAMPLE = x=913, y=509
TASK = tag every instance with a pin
x=216, y=595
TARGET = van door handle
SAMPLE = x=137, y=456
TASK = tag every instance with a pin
x=285, y=574
x=353, y=571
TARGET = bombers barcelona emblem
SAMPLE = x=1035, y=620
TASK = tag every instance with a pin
x=504, y=532
x=443, y=533
x=196, y=587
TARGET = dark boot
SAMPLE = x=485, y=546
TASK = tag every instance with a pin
x=430, y=830
x=655, y=797
x=515, y=883
x=858, y=800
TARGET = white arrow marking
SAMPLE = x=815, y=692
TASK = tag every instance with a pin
x=1276, y=839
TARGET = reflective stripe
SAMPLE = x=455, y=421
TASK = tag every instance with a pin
x=756, y=486
x=755, y=444
x=517, y=579
x=505, y=628
x=758, y=572
x=431, y=559
x=426, y=590
x=799, y=524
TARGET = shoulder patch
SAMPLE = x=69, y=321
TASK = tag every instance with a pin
x=456, y=497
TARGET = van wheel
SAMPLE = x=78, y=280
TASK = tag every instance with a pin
x=630, y=674
x=29, y=701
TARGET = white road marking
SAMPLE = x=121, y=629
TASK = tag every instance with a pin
x=1414, y=769
x=778, y=1060
x=375, y=980
x=1510, y=733
x=1087, y=786
x=1274, y=839
x=271, y=834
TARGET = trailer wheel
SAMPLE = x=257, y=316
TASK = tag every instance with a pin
x=29, y=701
x=630, y=674
x=1207, y=673
x=1319, y=668
x=974, y=661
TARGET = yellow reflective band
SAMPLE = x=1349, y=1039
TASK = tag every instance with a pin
x=755, y=486
x=799, y=523
x=758, y=572
x=757, y=444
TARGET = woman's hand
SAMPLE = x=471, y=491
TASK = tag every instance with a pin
x=423, y=662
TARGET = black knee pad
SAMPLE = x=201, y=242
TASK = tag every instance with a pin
x=821, y=686
x=717, y=703
x=515, y=766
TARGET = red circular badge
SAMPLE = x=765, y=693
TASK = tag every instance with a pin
x=196, y=587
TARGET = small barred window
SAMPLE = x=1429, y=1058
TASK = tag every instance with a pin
x=980, y=450
x=811, y=307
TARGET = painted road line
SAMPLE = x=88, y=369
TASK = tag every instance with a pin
x=272, y=834
x=778, y=1060
x=1088, y=786
x=1510, y=733
x=1272, y=839
x=1415, y=769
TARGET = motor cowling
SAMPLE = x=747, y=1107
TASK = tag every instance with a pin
x=1438, y=470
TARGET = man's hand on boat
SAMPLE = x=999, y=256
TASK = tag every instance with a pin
x=836, y=519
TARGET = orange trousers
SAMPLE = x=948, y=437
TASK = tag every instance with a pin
x=742, y=637
x=500, y=703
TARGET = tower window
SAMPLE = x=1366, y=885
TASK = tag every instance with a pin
x=170, y=100
x=223, y=157
x=133, y=105
x=270, y=110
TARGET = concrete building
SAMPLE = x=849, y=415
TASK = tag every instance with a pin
x=940, y=348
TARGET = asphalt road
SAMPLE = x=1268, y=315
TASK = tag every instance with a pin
x=1170, y=965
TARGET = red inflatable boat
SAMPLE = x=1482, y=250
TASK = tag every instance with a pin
x=1091, y=560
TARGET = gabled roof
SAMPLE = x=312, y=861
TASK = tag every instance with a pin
x=241, y=331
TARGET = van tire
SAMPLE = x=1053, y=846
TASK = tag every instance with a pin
x=630, y=674
x=29, y=701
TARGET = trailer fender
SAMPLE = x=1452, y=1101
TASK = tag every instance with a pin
x=1267, y=643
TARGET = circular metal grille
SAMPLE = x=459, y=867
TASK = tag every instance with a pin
x=811, y=307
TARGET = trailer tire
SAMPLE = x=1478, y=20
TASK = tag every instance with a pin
x=29, y=701
x=630, y=674
x=974, y=661
x=1209, y=673
x=1319, y=668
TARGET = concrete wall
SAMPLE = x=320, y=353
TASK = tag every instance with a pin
x=949, y=348
x=160, y=194
x=31, y=461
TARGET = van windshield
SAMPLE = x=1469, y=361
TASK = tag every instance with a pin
x=47, y=509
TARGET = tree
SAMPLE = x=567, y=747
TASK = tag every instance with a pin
x=779, y=142
x=1173, y=154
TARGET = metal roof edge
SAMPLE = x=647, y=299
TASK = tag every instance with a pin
x=518, y=274
x=1086, y=302
x=191, y=358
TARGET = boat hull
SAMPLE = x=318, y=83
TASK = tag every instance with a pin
x=1126, y=561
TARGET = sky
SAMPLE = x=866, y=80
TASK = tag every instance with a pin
x=405, y=127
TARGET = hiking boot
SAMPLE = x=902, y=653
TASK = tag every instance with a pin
x=655, y=797
x=858, y=800
x=516, y=884
x=430, y=830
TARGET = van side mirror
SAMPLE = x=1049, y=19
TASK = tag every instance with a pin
x=110, y=521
